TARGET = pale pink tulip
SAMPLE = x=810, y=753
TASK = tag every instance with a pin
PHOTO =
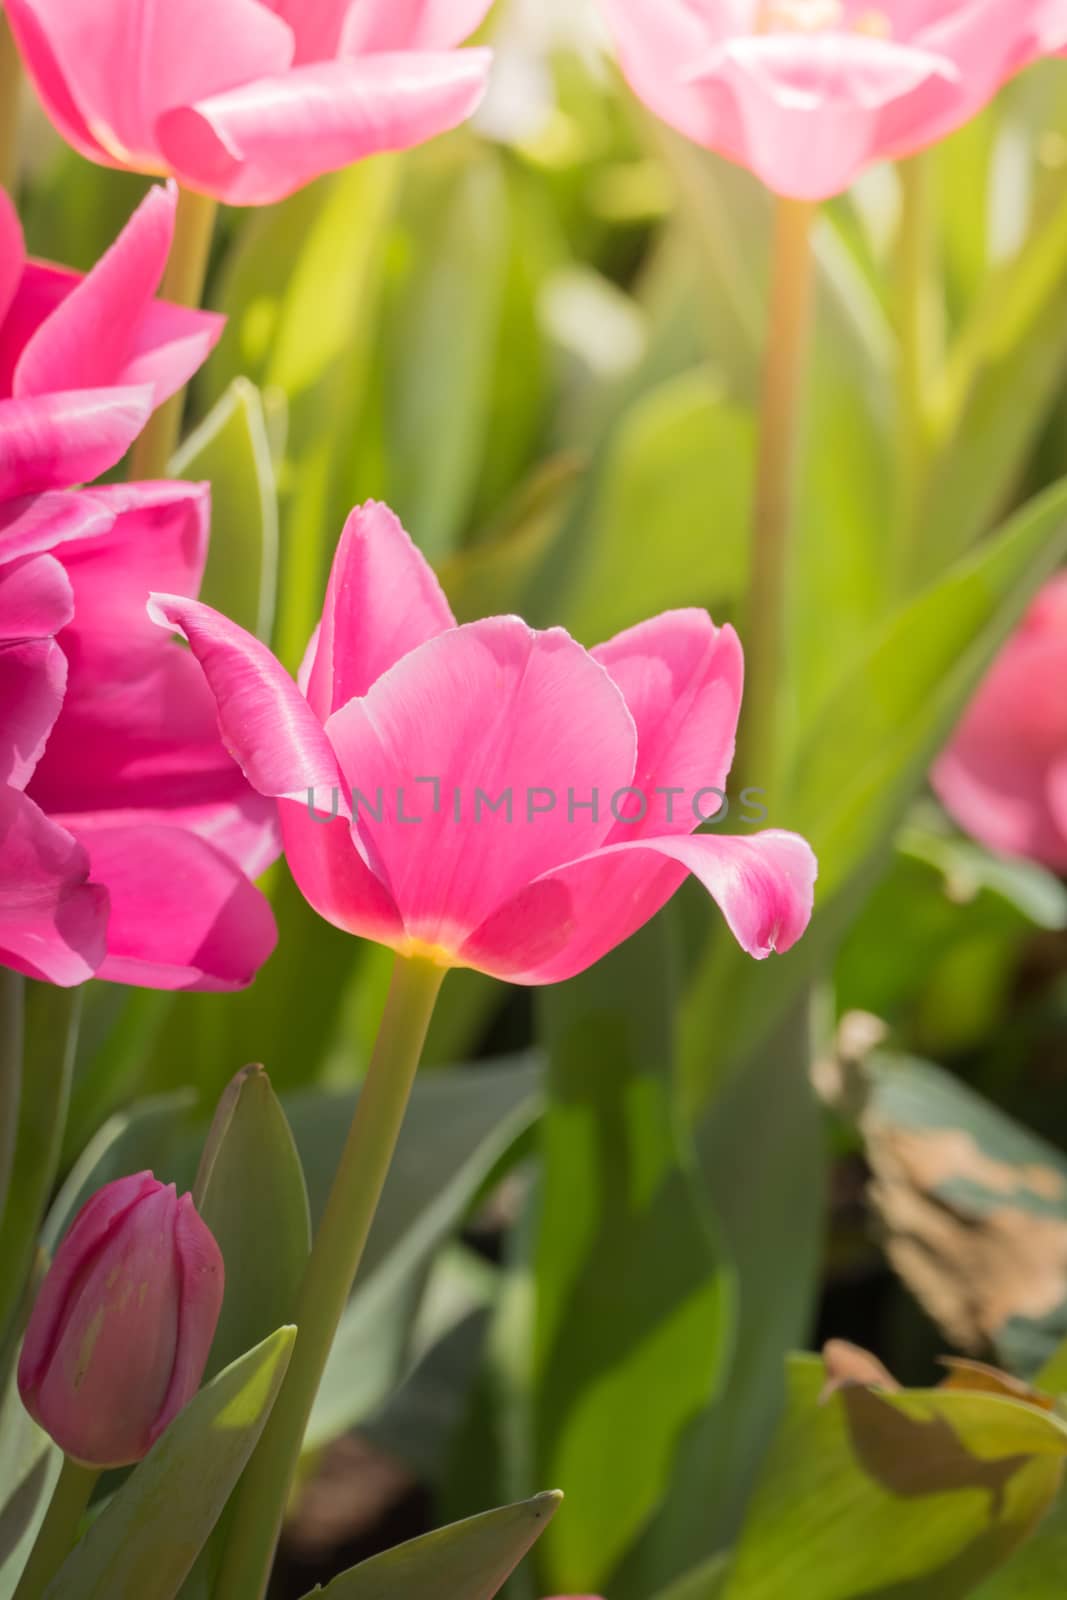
x=808, y=93
x=122, y=1325
x=85, y=360
x=609, y=757
x=248, y=100
x=1004, y=776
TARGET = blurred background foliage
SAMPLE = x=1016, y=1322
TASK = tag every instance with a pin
x=620, y=1203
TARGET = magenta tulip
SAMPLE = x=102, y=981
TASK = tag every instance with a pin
x=85, y=360
x=496, y=797
x=248, y=100
x=133, y=768
x=122, y=1326
x=808, y=93
x=1004, y=776
x=127, y=834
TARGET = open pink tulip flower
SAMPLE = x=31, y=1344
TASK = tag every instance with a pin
x=248, y=100
x=808, y=93
x=122, y=1325
x=1004, y=775
x=492, y=796
x=130, y=836
x=85, y=360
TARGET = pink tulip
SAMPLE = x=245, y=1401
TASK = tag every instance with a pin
x=1004, y=776
x=85, y=360
x=122, y=1326
x=248, y=100
x=808, y=93
x=609, y=759
x=126, y=832
x=133, y=817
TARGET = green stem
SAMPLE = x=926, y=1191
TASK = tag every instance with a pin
x=331, y=1271
x=773, y=513
x=183, y=283
x=12, y=1029
x=917, y=337
x=10, y=90
x=59, y=1530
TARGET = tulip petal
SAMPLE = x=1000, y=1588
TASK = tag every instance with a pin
x=183, y=915
x=202, y=1280
x=375, y=25
x=12, y=254
x=485, y=709
x=53, y=441
x=48, y=78
x=78, y=1248
x=333, y=877
x=117, y=1341
x=109, y=331
x=53, y=922
x=41, y=290
x=138, y=735
x=257, y=144
x=117, y=67
x=569, y=918
x=33, y=676
x=382, y=601
x=36, y=599
x=266, y=724
x=681, y=678
x=994, y=776
x=40, y=522
x=803, y=111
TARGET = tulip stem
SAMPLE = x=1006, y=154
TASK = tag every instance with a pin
x=916, y=319
x=785, y=367
x=58, y=1532
x=183, y=283
x=10, y=91
x=331, y=1271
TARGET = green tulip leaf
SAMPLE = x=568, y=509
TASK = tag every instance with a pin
x=920, y=1493
x=468, y=1561
x=251, y=1193
x=635, y=1304
x=145, y=1137
x=50, y=1044
x=706, y=1582
x=459, y=1126
x=764, y=1120
x=29, y=1468
x=147, y=1538
x=231, y=450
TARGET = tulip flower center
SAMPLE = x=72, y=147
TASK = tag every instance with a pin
x=819, y=16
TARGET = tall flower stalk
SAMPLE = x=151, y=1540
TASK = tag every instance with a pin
x=788, y=344
x=183, y=284
x=339, y=1245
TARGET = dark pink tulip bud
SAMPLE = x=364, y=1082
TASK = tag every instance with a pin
x=120, y=1332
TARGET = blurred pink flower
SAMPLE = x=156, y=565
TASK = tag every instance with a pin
x=126, y=832
x=122, y=1325
x=1004, y=776
x=808, y=93
x=584, y=756
x=248, y=100
x=85, y=360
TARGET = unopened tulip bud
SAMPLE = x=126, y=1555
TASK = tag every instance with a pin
x=120, y=1332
